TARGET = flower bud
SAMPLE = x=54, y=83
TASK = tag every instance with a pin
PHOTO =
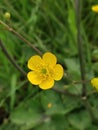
x=7, y=15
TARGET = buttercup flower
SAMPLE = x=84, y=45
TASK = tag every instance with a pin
x=95, y=8
x=44, y=70
x=94, y=82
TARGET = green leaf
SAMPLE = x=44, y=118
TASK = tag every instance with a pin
x=71, y=103
x=13, y=90
x=95, y=68
x=80, y=120
x=72, y=23
x=54, y=99
x=27, y=115
x=94, y=102
x=56, y=122
x=95, y=54
x=73, y=68
x=9, y=126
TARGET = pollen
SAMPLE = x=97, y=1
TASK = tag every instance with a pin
x=49, y=105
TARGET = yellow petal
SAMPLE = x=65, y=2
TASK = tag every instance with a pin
x=58, y=72
x=95, y=8
x=50, y=59
x=47, y=84
x=94, y=82
x=34, y=62
x=34, y=77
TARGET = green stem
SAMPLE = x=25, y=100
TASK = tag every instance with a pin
x=11, y=59
x=66, y=93
x=20, y=36
x=89, y=109
x=82, y=61
x=80, y=46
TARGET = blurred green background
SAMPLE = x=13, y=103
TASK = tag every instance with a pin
x=50, y=25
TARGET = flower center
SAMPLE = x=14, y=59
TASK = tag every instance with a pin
x=43, y=71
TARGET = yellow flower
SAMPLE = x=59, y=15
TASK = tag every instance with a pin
x=94, y=82
x=44, y=70
x=95, y=8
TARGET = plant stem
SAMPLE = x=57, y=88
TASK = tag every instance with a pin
x=82, y=62
x=11, y=59
x=80, y=47
x=20, y=36
x=66, y=93
x=89, y=109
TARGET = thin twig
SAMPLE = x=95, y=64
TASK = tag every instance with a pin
x=80, y=46
x=66, y=93
x=92, y=92
x=11, y=59
x=89, y=109
x=82, y=62
x=80, y=82
x=20, y=36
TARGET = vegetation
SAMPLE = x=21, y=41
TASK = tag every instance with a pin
x=66, y=28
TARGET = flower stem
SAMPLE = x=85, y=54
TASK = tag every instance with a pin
x=89, y=109
x=66, y=93
x=20, y=36
x=80, y=46
x=11, y=59
x=82, y=62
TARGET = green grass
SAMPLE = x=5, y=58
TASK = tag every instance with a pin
x=50, y=25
